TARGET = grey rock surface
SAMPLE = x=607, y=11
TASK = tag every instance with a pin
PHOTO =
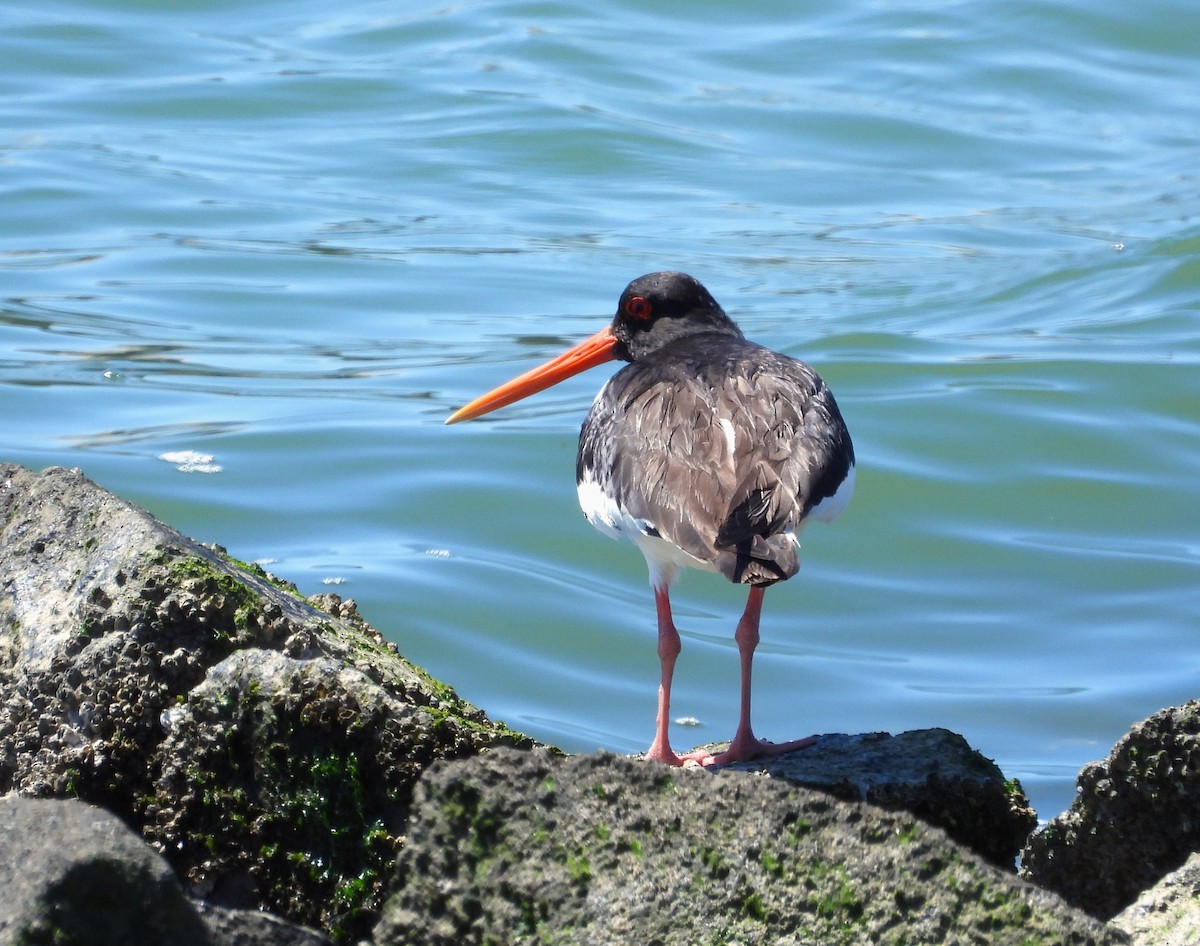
x=255, y=928
x=267, y=747
x=529, y=847
x=1168, y=914
x=931, y=773
x=1135, y=818
x=73, y=873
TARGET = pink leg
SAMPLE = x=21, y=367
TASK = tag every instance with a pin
x=745, y=745
x=668, y=649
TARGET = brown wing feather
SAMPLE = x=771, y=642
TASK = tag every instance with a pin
x=656, y=440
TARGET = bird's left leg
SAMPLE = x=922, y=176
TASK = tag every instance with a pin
x=745, y=745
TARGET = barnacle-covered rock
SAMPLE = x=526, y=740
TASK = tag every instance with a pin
x=1135, y=817
x=266, y=747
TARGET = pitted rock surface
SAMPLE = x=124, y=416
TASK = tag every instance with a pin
x=266, y=747
x=1135, y=818
x=529, y=847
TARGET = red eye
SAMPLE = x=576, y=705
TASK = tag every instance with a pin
x=638, y=308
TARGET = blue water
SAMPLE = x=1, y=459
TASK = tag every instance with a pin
x=277, y=243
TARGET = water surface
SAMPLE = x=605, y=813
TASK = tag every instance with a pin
x=285, y=240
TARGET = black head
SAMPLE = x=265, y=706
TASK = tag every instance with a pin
x=659, y=308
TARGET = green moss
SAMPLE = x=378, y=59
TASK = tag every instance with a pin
x=298, y=806
x=453, y=711
x=754, y=907
x=1004, y=909
x=333, y=841
x=253, y=568
x=579, y=868
x=714, y=861
x=837, y=898
x=533, y=915
x=237, y=601
x=470, y=818
x=796, y=831
x=771, y=864
x=301, y=809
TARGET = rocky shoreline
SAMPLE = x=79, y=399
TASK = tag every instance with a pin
x=191, y=752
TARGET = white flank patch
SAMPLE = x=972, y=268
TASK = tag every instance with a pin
x=602, y=510
x=663, y=558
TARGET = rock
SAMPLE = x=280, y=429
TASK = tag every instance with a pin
x=526, y=846
x=1168, y=914
x=931, y=773
x=267, y=748
x=72, y=873
x=254, y=928
x=1136, y=817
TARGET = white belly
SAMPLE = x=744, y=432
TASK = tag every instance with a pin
x=663, y=558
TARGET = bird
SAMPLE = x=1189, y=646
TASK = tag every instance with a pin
x=708, y=451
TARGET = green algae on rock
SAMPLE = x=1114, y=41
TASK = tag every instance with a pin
x=266, y=747
x=525, y=846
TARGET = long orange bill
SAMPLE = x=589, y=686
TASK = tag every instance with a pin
x=587, y=354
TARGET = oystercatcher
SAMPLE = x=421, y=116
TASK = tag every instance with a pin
x=709, y=452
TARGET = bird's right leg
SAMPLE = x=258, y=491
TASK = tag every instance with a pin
x=668, y=649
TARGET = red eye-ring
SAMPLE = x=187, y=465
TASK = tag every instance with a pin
x=638, y=308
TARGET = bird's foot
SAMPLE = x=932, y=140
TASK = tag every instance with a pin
x=660, y=751
x=745, y=749
x=667, y=756
x=741, y=749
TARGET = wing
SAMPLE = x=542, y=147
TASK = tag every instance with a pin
x=721, y=451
